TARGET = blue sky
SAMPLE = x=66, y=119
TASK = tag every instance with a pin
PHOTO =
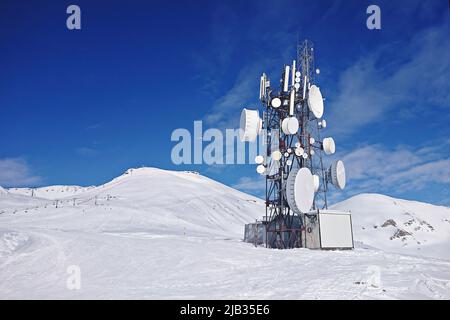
x=80, y=107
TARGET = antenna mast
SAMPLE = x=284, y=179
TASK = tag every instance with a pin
x=296, y=181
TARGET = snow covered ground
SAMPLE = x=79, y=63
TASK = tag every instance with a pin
x=161, y=234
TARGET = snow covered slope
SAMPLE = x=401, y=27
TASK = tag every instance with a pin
x=160, y=234
x=50, y=192
x=397, y=225
x=149, y=199
x=12, y=203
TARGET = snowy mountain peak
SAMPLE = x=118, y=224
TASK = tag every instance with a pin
x=399, y=225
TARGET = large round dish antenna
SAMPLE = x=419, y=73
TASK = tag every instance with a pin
x=250, y=125
x=329, y=146
x=300, y=190
x=315, y=101
x=337, y=171
x=276, y=155
x=290, y=125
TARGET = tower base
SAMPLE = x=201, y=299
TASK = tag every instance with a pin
x=322, y=229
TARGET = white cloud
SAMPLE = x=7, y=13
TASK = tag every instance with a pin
x=86, y=151
x=251, y=184
x=376, y=168
x=15, y=172
x=226, y=111
x=396, y=77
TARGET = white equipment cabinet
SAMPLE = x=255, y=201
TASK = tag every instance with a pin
x=328, y=229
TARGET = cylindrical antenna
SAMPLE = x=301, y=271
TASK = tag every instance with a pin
x=292, y=102
x=261, y=87
x=286, y=79
x=293, y=72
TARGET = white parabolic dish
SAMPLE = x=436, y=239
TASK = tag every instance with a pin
x=261, y=169
x=300, y=190
x=250, y=125
x=315, y=101
x=338, y=174
x=276, y=102
x=290, y=125
x=329, y=146
x=259, y=159
x=276, y=155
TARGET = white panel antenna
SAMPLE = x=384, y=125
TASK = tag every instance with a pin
x=286, y=79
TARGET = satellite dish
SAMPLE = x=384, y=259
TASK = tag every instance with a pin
x=312, y=140
x=250, y=126
x=323, y=124
x=317, y=71
x=316, y=182
x=259, y=159
x=297, y=86
x=328, y=145
x=337, y=171
x=276, y=155
x=298, y=74
x=299, y=151
x=305, y=155
x=286, y=154
x=311, y=152
x=300, y=190
x=261, y=169
x=315, y=101
x=298, y=145
x=290, y=125
x=289, y=162
x=276, y=102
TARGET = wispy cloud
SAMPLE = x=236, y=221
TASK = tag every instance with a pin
x=255, y=185
x=376, y=168
x=94, y=126
x=226, y=110
x=86, y=151
x=15, y=172
x=402, y=75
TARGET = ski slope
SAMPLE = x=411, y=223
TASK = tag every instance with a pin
x=160, y=234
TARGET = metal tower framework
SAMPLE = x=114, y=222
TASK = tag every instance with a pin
x=283, y=225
